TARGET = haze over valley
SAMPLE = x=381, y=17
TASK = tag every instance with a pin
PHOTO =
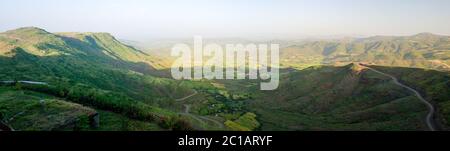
x=324, y=85
x=106, y=65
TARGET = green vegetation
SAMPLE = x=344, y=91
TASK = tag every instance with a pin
x=116, y=122
x=111, y=102
x=93, y=69
x=338, y=98
x=246, y=122
x=129, y=89
x=27, y=110
x=423, y=50
x=434, y=85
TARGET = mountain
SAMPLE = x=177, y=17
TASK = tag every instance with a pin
x=97, y=59
x=90, y=66
x=103, y=46
x=351, y=97
x=424, y=50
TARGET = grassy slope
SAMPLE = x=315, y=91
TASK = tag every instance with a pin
x=434, y=85
x=338, y=98
x=23, y=110
x=29, y=114
x=95, y=59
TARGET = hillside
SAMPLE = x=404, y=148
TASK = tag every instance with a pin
x=314, y=88
x=88, y=61
x=24, y=110
x=434, y=85
x=96, y=59
x=339, y=98
x=424, y=50
x=27, y=110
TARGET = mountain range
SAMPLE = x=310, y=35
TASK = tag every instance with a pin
x=424, y=50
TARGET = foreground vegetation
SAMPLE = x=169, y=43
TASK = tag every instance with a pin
x=339, y=98
x=434, y=85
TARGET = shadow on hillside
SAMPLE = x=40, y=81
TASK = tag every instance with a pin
x=99, y=70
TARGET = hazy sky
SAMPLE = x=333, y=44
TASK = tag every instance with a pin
x=138, y=19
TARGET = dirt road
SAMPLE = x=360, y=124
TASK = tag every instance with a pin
x=429, y=118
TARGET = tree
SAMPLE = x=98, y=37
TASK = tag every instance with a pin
x=18, y=85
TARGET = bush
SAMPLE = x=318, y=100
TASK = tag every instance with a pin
x=176, y=123
x=113, y=102
x=235, y=126
x=100, y=99
x=246, y=122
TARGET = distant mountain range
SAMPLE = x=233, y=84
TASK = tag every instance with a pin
x=424, y=50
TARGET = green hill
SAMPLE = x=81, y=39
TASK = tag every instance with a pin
x=433, y=85
x=345, y=98
x=89, y=61
x=95, y=59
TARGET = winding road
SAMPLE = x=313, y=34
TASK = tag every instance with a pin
x=429, y=118
x=201, y=119
x=186, y=97
x=26, y=82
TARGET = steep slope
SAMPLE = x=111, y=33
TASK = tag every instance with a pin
x=433, y=85
x=101, y=46
x=89, y=66
x=114, y=48
x=96, y=59
x=339, y=98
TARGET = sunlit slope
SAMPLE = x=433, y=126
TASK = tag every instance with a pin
x=423, y=50
x=96, y=59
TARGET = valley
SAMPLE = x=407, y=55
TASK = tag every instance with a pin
x=59, y=81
